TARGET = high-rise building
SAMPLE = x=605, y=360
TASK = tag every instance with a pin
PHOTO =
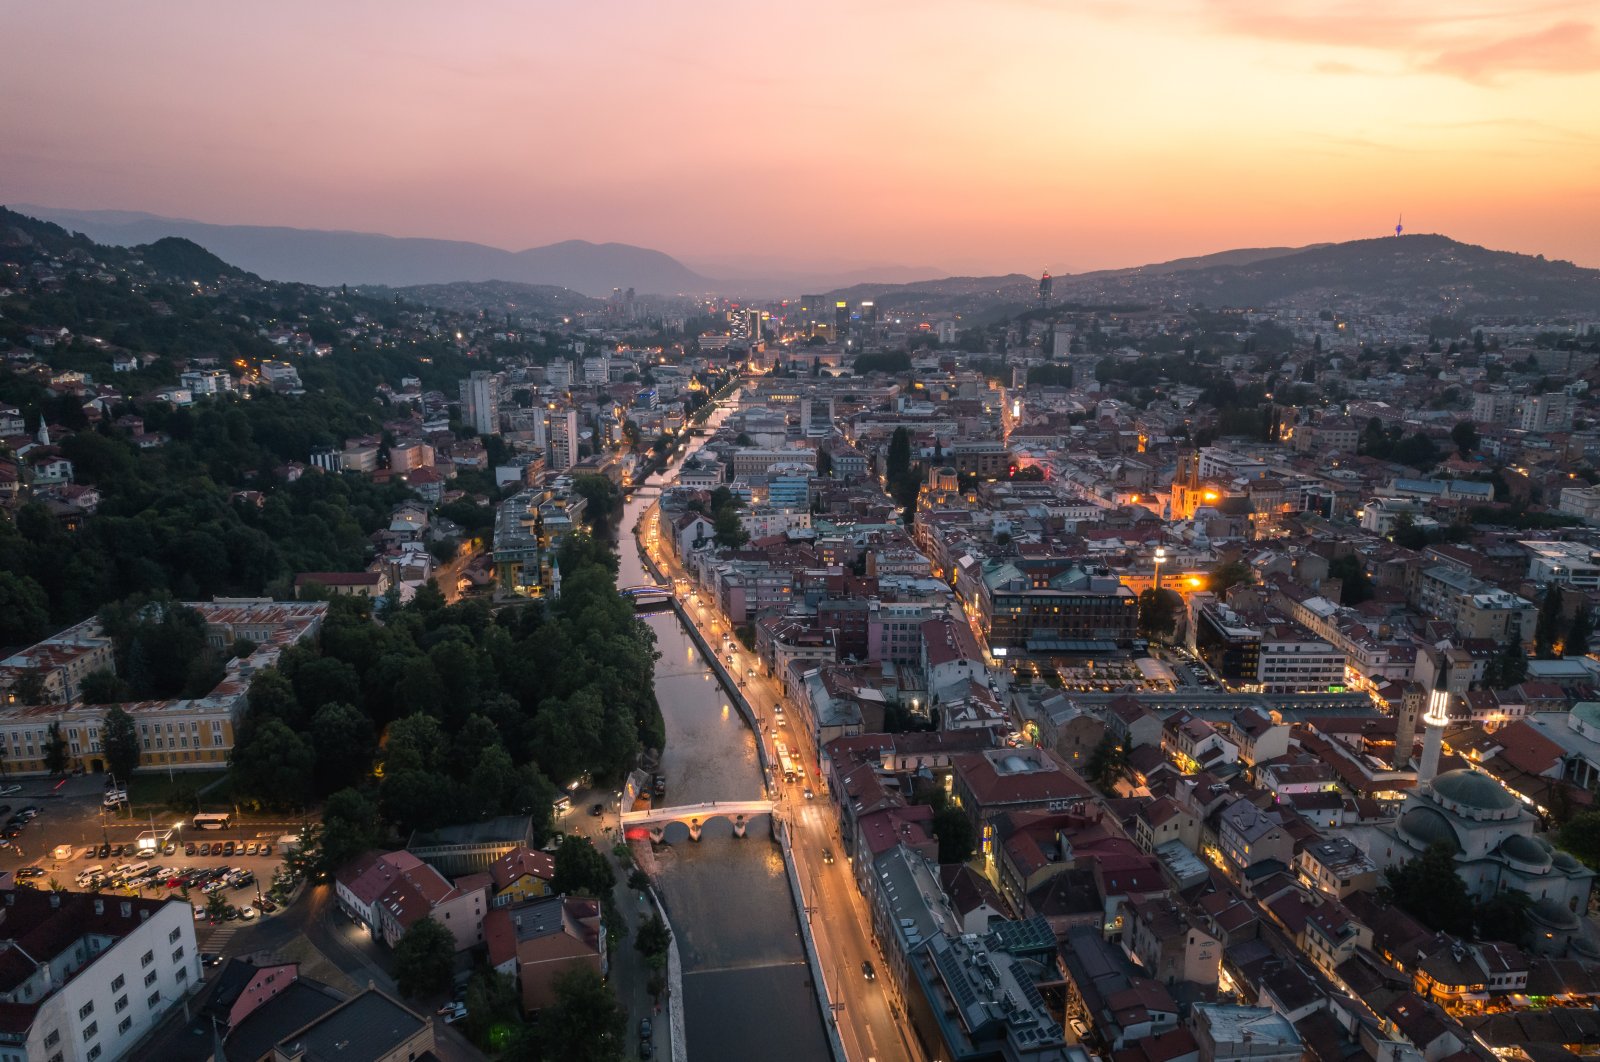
x=752, y=324
x=480, y=402
x=841, y=319
x=869, y=313
x=811, y=313
x=1044, y=289
x=563, y=439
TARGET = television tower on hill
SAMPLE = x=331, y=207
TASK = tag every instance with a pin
x=1044, y=291
x=1399, y=224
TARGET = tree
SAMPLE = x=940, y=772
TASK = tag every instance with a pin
x=1581, y=838
x=120, y=739
x=1158, y=612
x=1580, y=631
x=103, y=687
x=581, y=868
x=1504, y=916
x=1465, y=436
x=957, y=839
x=652, y=940
x=584, y=1023
x=273, y=764
x=1355, y=586
x=824, y=462
x=24, y=609
x=350, y=826
x=344, y=742
x=1229, y=574
x=425, y=958
x=55, y=751
x=1548, y=628
x=898, y=461
x=1428, y=888
x=1105, y=764
x=494, y=1009
x=217, y=906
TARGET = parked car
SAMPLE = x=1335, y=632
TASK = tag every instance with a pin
x=205, y=849
x=10, y=790
x=227, y=848
x=31, y=872
x=266, y=849
x=266, y=906
x=644, y=1029
x=453, y=1012
x=189, y=849
x=252, y=848
x=103, y=852
x=169, y=849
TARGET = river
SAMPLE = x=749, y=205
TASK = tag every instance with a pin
x=747, y=990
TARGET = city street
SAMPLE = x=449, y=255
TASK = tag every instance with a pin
x=865, y=1015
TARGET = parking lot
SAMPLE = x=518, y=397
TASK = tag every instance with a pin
x=57, y=831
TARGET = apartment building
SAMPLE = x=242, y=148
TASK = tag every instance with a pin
x=85, y=976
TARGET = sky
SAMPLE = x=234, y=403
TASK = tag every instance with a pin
x=971, y=136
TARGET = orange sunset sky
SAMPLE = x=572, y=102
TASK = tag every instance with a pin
x=968, y=135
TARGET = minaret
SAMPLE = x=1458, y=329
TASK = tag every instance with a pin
x=1434, y=722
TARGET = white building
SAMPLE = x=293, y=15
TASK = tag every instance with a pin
x=206, y=381
x=480, y=402
x=1573, y=563
x=86, y=975
x=564, y=440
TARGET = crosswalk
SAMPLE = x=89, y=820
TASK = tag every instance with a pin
x=217, y=940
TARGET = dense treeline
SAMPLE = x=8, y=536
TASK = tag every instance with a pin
x=481, y=713
x=168, y=520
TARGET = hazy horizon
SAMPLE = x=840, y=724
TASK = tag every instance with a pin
x=956, y=136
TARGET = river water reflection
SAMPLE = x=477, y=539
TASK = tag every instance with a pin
x=747, y=991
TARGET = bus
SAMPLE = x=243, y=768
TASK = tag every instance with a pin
x=786, y=763
x=213, y=822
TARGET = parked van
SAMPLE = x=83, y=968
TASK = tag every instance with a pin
x=135, y=870
x=90, y=873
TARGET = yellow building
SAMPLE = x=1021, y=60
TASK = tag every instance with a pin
x=181, y=733
x=521, y=874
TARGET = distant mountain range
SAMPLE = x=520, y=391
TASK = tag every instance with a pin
x=315, y=256
x=1424, y=273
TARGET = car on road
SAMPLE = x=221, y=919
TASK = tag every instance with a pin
x=867, y=971
x=810, y=795
x=646, y=1049
x=10, y=790
x=644, y=1029
x=597, y=810
x=210, y=958
x=827, y=855
x=31, y=872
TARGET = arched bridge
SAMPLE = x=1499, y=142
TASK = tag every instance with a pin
x=695, y=816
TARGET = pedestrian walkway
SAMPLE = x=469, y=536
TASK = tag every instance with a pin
x=216, y=940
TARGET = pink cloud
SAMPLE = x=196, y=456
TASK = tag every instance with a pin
x=1564, y=48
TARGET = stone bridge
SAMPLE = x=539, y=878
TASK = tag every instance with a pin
x=695, y=816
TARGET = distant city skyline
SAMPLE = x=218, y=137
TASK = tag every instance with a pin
x=967, y=136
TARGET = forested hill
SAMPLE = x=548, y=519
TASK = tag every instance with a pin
x=173, y=516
